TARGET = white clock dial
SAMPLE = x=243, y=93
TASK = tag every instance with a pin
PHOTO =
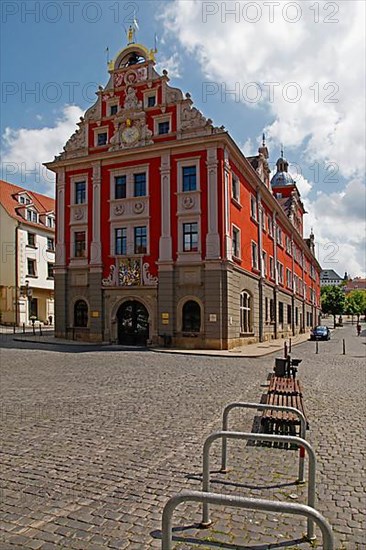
x=130, y=134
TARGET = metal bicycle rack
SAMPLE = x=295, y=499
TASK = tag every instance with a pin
x=258, y=437
x=262, y=406
x=241, y=502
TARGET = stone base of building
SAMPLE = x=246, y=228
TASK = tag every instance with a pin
x=214, y=306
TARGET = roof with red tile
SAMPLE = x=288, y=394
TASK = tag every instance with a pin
x=8, y=199
x=355, y=284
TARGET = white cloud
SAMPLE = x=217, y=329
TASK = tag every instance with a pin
x=249, y=149
x=26, y=150
x=326, y=61
x=338, y=220
x=171, y=64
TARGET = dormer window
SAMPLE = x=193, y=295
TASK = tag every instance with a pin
x=50, y=221
x=151, y=100
x=163, y=128
x=102, y=138
x=23, y=199
x=113, y=110
x=32, y=216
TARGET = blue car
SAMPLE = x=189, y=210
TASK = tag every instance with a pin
x=320, y=333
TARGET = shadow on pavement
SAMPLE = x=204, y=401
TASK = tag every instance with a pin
x=157, y=534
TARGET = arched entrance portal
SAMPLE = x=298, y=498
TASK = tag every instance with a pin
x=133, y=324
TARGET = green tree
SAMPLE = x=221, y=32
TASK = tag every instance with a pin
x=349, y=307
x=333, y=301
x=356, y=303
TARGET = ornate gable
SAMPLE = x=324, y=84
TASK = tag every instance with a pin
x=123, y=112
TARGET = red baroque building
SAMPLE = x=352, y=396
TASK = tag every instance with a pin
x=167, y=233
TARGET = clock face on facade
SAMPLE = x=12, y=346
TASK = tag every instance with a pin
x=130, y=134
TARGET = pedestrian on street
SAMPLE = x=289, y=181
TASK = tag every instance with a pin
x=358, y=329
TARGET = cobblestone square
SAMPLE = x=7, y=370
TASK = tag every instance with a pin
x=95, y=441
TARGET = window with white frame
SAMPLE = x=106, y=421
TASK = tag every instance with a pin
x=120, y=241
x=271, y=267
x=236, y=241
x=31, y=239
x=80, y=244
x=280, y=272
x=31, y=268
x=254, y=248
x=32, y=216
x=139, y=185
x=120, y=187
x=279, y=236
x=288, y=245
x=264, y=263
x=162, y=125
x=50, y=244
x=270, y=226
x=245, y=312
x=140, y=240
x=253, y=207
x=50, y=274
x=189, y=178
x=50, y=221
x=288, y=278
x=190, y=237
x=80, y=192
x=150, y=100
x=235, y=187
x=264, y=215
x=100, y=137
x=113, y=109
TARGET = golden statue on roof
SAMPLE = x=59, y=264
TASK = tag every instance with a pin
x=131, y=34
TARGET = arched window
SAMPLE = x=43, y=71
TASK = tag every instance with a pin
x=246, y=312
x=80, y=314
x=191, y=317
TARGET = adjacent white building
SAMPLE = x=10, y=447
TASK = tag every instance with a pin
x=328, y=277
x=27, y=238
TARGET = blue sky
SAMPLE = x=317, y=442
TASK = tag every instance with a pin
x=57, y=49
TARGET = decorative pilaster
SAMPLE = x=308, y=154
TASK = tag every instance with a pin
x=260, y=265
x=96, y=247
x=165, y=243
x=212, y=238
x=275, y=291
x=60, y=219
x=275, y=247
x=228, y=239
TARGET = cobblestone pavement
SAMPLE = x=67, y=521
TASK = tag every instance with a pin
x=95, y=442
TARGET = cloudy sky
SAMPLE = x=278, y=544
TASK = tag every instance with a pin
x=294, y=70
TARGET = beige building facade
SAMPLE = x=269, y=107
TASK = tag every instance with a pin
x=27, y=240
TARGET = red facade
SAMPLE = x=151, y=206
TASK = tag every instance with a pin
x=167, y=206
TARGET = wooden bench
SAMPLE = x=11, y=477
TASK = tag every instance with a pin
x=283, y=392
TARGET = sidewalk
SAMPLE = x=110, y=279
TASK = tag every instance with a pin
x=250, y=350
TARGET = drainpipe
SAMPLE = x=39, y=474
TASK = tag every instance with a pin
x=16, y=273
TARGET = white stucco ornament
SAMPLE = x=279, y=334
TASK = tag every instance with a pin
x=147, y=278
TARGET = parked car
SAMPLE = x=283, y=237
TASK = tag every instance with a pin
x=320, y=333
